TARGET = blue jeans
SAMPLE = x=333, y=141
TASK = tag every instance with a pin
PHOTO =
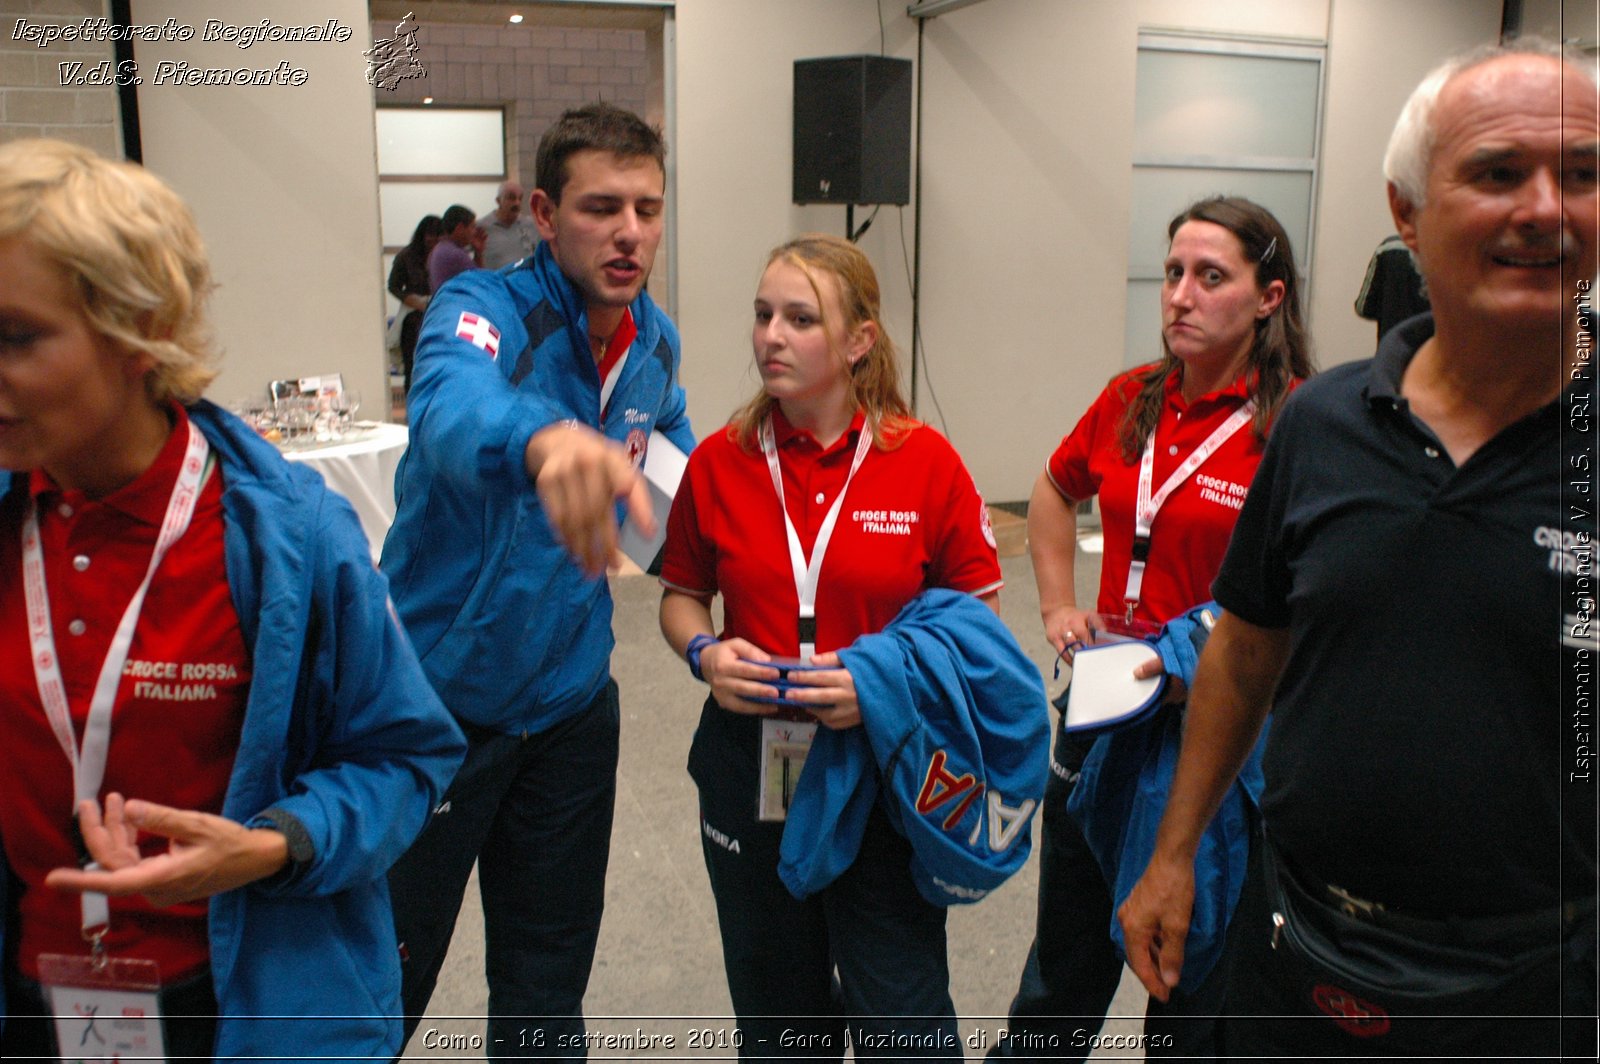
x=1073, y=970
x=535, y=813
x=871, y=926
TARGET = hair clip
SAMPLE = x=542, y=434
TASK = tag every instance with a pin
x=1266, y=256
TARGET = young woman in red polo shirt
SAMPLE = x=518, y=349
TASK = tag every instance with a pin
x=216, y=737
x=821, y=511
x=1233, y=347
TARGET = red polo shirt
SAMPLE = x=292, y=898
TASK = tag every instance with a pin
x=175, y=726
x=912, y=519
x=1190, y=533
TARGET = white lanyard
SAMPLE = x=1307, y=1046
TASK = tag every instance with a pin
x=1148, y=505
x=89, y=765
x=609, y=385
x=806, y=573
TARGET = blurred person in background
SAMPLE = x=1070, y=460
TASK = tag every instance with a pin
x=408, y=282
x=508, y=237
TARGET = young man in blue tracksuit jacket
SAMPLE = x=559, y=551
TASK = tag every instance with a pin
x=535, y=394
x=340, y=725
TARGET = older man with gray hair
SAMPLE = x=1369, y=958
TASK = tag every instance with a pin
x=1410, y=592
x=509, y=236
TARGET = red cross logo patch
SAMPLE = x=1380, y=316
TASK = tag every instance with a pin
x=1354, y=1016
x=479, y=333
x=636, y=445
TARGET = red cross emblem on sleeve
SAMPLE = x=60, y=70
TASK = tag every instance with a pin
x=479, y=333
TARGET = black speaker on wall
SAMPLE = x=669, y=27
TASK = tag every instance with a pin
x=852, y=130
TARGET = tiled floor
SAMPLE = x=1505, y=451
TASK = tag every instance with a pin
x=659, y=964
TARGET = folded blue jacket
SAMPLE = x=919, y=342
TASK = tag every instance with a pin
x=1121, y=795
x=956, y=737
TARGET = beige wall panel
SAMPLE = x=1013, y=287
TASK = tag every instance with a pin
x=735, y=67
x=1027, y=159
x=1377, y=52
x=1265, y=18
x=283, y=181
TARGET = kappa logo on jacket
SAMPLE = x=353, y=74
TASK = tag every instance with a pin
x=940, y=787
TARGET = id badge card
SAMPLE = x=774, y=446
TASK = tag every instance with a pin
x=105, y=1010
x=784, y=745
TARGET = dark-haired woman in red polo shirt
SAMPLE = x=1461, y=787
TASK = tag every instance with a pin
x=1170, y=448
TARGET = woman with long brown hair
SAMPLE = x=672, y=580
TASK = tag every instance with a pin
x=1170, y=449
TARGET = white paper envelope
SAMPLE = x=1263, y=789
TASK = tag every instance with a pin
x=1104, y=692
x=663, y=470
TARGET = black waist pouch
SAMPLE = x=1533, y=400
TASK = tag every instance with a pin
x=1480, y=966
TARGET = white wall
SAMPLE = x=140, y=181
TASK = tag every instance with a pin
x=1028, y=144
x=1274, y=18
x=733, y=150
x=1574, y=21
x=1027, y=157
x=1026, y=173
x=1374, y=61
x=283, y=182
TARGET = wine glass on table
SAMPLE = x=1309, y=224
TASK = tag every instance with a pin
x=348, y=403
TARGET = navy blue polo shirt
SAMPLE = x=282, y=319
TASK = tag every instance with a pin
x=1431, y=733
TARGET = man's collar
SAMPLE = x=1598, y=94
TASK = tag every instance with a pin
x=569, y=299
x=1395, y=352
x=622, y=338
x=1401, y=344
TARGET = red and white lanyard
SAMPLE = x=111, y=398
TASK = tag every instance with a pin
x=806, y=572
x=89, y=765
x=1149, y=505
x=613, y=358
x=609, y=375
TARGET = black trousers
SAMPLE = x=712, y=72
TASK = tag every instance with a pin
x=535, y=814
x=865, y=955
x=1072, y=970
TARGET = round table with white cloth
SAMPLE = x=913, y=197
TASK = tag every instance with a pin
x=362, y=470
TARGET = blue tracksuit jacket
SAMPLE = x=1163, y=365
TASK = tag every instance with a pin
x=955, y=737
x=343, y=732
x=509, y=629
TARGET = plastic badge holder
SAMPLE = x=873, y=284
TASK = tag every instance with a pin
x=1104, y=693
x=787, y=665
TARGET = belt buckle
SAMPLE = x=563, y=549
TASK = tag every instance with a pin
x=1351, y=905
